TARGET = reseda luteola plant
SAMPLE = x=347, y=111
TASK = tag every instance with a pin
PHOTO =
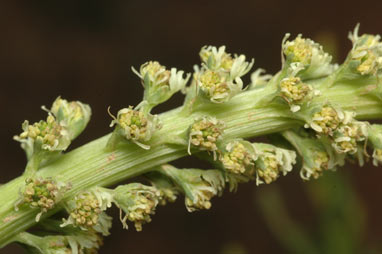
x=316, y=106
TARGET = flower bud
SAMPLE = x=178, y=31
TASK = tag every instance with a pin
x=204, y=134
x=317, y=155
x=216, y=87
x=160, y=84
x=218, y=60
x=138, y=202
x=349, y=134
x=271, y=162
x=74, y=115
x=366, y=52
x=258, y=79
x=198, y=185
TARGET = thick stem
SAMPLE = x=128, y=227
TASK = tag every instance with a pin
x=93, y=165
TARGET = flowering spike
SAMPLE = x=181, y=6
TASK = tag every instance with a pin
x=137, y=201
x=198, y=185
x=204, y=133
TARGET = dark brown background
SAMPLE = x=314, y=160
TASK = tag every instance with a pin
x=83, y=50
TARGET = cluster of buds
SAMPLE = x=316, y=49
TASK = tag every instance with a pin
x=219, y=78
x=295, y=92
x=366, y=52
x=86, y=211
x=239, y=157
x=199, y=186
x=271, y=162
x=41, y=193
x=204, y=133
x=159, y=83
x=138, y=202
x=313, y=62
x=66, y=120
x=135, y=125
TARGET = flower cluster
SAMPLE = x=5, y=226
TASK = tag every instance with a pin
x=136, y=126
x=219, y=78
x=204, y=133
x=138, y=202
x=366, y=52
x=341, y=127
x=271, y=162
x=41, y=193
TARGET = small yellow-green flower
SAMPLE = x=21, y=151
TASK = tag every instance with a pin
x=138, y=202
x=326, y=120
x=367, y=52
x=239, y=157
x=204, y=134
x=136, y=126
x=271, y=162
x=41, y=193
x=295, y=92
x=86, y=211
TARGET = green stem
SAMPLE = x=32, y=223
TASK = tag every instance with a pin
x=93, y=165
